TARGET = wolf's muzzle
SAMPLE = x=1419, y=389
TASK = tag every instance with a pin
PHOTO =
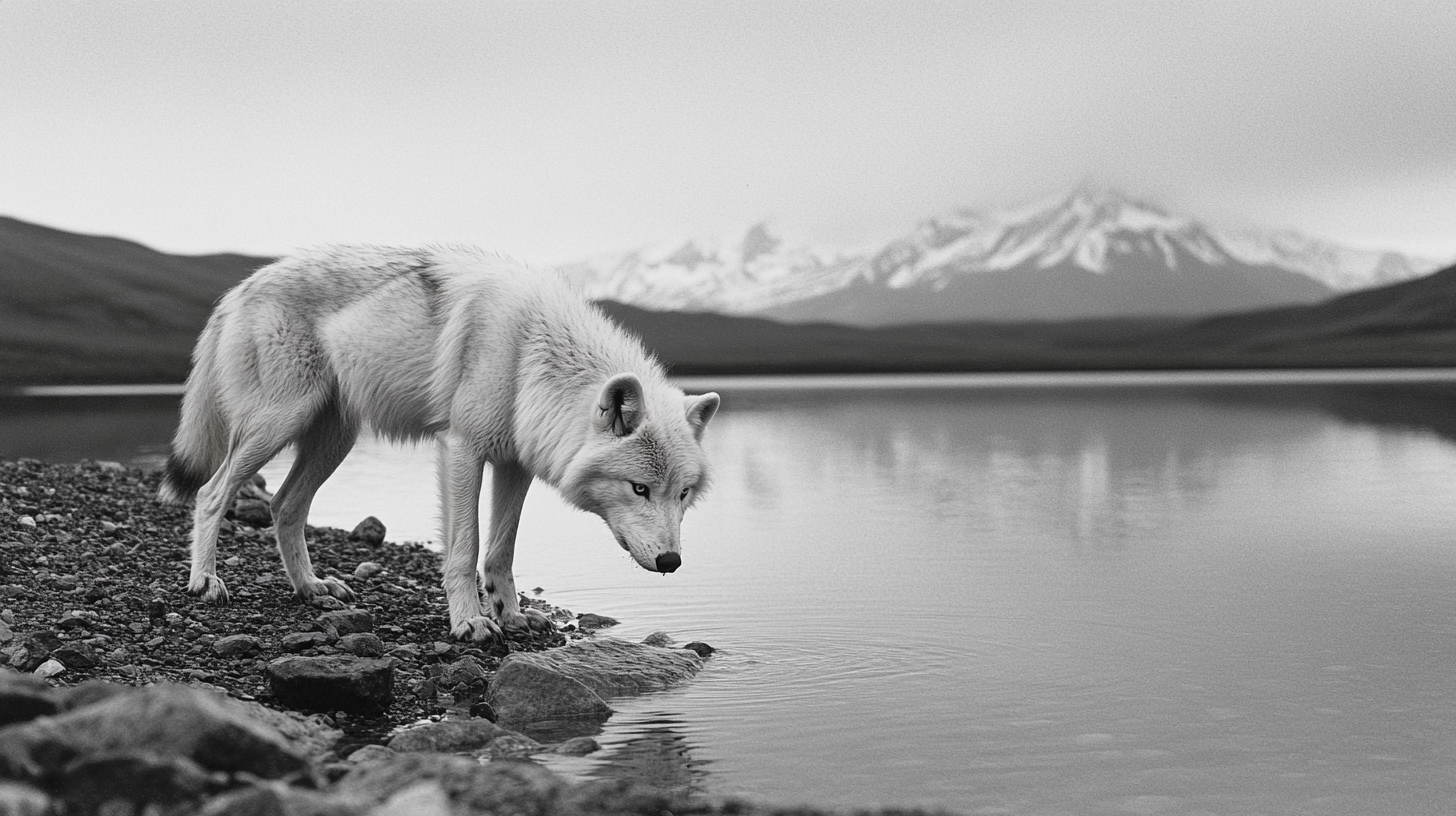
x=668, y=562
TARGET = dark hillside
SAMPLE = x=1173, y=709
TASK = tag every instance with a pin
x=89, y=309
x=96, y=309
x=1408, y=323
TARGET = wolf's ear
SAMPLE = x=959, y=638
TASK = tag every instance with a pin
x=699, y=411
x=619, y=408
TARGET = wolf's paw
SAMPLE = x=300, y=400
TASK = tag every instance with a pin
x=478, y=629
x=210, y=588
x=327, y=586
x=526, y=621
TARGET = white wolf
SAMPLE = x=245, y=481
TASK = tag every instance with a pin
x=498, y=363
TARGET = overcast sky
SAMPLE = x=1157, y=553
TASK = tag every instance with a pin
x=557, y=130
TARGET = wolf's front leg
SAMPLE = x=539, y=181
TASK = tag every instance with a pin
x=509, y=483
x=461, y=469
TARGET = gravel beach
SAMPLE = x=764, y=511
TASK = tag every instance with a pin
x=93, y=571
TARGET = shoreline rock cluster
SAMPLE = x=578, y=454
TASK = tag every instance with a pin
x=104, y=748
x=98, y=638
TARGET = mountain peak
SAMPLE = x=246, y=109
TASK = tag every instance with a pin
x=1112, y=252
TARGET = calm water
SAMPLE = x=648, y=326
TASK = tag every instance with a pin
x=1060, y=597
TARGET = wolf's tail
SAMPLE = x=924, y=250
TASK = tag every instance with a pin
x=200, y=444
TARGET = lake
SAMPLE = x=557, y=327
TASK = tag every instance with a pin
x=1185, y=593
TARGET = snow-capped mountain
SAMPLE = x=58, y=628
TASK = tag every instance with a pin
x=1091, y=253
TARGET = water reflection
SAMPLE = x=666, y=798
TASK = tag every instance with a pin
x=1055, y=600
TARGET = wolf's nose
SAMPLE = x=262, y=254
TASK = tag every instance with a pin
x=668, y=562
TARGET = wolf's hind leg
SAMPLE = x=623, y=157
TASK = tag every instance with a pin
x=509, y=483
x=462, y=469
x=248, y=452
x=329, y=438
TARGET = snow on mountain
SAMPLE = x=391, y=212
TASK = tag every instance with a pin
x=740, y=276
x=1067, y=241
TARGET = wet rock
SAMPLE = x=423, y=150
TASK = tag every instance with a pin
x=362, y=644
x=660, y=639
x=700, y=648
x=368, y=531
x=24, y=697
x=577, y=746
x=164, y=721
x=237, y=646
x=513, y=746
x=347, y=621
x=575, y=680
x=448, y=736
x=591, y=622
x=333, y=683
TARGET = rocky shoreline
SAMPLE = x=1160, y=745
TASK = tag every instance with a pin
x=120, y=693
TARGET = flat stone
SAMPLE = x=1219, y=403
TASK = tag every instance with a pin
x=347, y=621
x=448, y=736
x=238, y=646
x=574, y=681
x=513, y=746
x=333, y=683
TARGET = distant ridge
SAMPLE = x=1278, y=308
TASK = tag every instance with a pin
x=89, y=309
x=85, y=308
x=1090, y=253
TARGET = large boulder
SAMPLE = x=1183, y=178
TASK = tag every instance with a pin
x=361, y=685
x=576, y=680
x=156, y=724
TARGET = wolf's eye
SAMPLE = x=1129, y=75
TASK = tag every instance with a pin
x=641, y=489
x=683, y=496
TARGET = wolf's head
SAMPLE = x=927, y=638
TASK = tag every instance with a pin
x=642, y=466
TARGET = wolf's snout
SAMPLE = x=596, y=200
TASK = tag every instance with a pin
x=668, y=562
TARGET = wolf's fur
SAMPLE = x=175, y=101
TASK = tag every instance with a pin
x=497, y=363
